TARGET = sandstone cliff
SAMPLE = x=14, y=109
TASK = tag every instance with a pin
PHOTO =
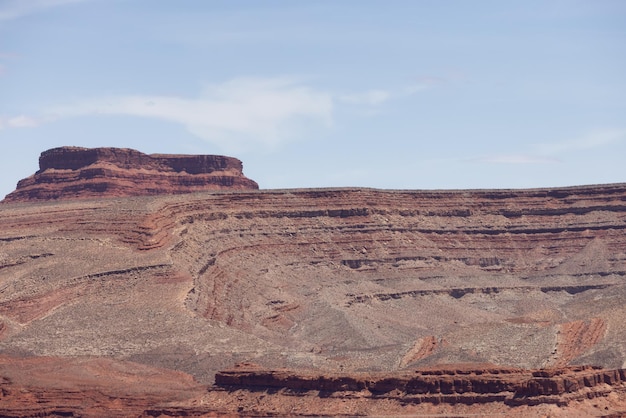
x=460, y=385
x=73, y=172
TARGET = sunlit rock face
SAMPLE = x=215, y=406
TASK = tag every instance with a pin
x=74, y=172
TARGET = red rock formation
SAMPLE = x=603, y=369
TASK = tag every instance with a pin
x=96, y=387
x=88, y=387
x=347, y=282
x=73, y=172
x=465, y=385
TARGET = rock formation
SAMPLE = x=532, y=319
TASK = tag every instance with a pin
x=95, y=387
x=74, y=172
x=464, y=385
x=88, y=387
x=319, y=285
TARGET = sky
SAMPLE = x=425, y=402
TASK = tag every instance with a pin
x=394, y=94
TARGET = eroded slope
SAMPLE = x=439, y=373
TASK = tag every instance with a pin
x=336, y=280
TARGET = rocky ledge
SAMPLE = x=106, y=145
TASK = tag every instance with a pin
x=75, y=172
x=443, y=385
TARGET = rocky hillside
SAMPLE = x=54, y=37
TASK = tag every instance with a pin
x=316, y=282
x=73, y=172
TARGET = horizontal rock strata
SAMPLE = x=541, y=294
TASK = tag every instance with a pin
x=346, y=282
x=74, y=172
x=444, y=385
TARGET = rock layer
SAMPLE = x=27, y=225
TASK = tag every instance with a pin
x=96, y=387
x=338, y=281
x=464, y=385
x=74, y=172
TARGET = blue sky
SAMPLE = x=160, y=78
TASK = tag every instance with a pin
x=388, y=94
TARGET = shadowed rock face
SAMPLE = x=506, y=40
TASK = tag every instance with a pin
x=325, y=288
x=73, y=172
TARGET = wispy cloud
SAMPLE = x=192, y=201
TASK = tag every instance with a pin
x=592, y=140
x=240, y=113
x=514, y=159
x=376, y=97
x=370, y=97
x=21, y=121
x=14, y=9
x=552, y=152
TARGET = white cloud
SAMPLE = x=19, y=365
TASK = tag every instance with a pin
x=21, y=121
x=237, y=115
x=14, y=9
x=593, y=140
x=232, y=114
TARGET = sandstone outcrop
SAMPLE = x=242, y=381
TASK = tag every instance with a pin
x=443, y=385
x=74, y=172
x=96, y=387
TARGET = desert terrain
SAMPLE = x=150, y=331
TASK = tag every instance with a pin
x=233, y=301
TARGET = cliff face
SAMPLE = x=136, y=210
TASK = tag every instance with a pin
x=460, y=385
x=73, y=172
